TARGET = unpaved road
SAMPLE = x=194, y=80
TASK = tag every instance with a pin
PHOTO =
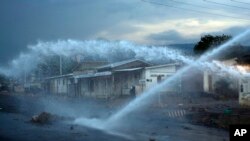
x=16, y=112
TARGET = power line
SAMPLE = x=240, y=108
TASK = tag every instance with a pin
x=191, y=4
x=194, y=5
x=192, y=10
x=240, y=2
x=223, y=4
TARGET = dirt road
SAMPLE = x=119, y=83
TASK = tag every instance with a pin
x=149, y=125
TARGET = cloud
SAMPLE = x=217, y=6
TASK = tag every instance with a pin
x=235, y=30
x=170, y=37
x=131, y=20
x=186, y=29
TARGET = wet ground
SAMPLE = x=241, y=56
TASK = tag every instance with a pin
x=154, y=124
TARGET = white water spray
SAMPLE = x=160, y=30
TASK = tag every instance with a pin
x=110, y=51
x=146, y=96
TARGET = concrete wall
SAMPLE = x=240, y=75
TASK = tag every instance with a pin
x=83, y=87
x=192, y=81
x=102, y=87
x=124, y=81
x=244, y=91
x=97, y=87
x=58, y=85
x=207, y=82
x=210, y=79
x=155, y=75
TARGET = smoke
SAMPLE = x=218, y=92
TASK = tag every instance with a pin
x=111, y=51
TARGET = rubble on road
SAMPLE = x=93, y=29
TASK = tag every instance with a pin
x=43, y=118
x=47, y=118
x=152, y=139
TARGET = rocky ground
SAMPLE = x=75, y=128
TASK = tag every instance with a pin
x=175, y=118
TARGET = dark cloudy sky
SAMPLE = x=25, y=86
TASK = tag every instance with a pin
x=24, y=22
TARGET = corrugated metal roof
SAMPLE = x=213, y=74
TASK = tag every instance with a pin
x=60, y=76
x=113, y=65
x=165, y=65
x=106, y=73
x=133, y=69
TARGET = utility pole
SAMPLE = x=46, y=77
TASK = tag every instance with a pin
x=60, y=65
x=25, y=77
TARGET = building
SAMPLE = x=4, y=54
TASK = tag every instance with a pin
x=244, y=82
x=240, y=85
x=126, y=78
x=211, y=78
x=61, y=85
x=110, y=80
x=133, y=77
x=244, y=92
x=156, y=74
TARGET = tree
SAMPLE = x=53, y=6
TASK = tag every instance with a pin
x=208, y=42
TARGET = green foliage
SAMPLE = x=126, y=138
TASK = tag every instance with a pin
x=209, y=41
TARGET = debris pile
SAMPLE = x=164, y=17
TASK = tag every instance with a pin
x=42, y=118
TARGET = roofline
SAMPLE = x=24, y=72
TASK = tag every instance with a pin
x=60, y=76
x=165, y=65
x=127, y=61
x=131, y=69
x=76, y=66
x=99, y=74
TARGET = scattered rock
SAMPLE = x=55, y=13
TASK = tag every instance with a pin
x=186, y=128
x=42, y=118
x=152, y=139
x=153, y=133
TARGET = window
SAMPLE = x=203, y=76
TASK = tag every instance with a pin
x=91, y=85
x=241, y=88
x=159, y=79
x=149, y=80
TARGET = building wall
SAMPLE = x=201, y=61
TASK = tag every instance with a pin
x=71, y=87
x=62, y=86
x=58, y=85
x=53, y=86
x=156, y=75
x=98, y=87
x=124, y=81
x=207, y=82
x=192, y=81
x=83, y=86
x=244, y=91
x=101, y=87
x=210, y=79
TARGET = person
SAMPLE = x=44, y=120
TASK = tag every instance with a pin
x=132, y=91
